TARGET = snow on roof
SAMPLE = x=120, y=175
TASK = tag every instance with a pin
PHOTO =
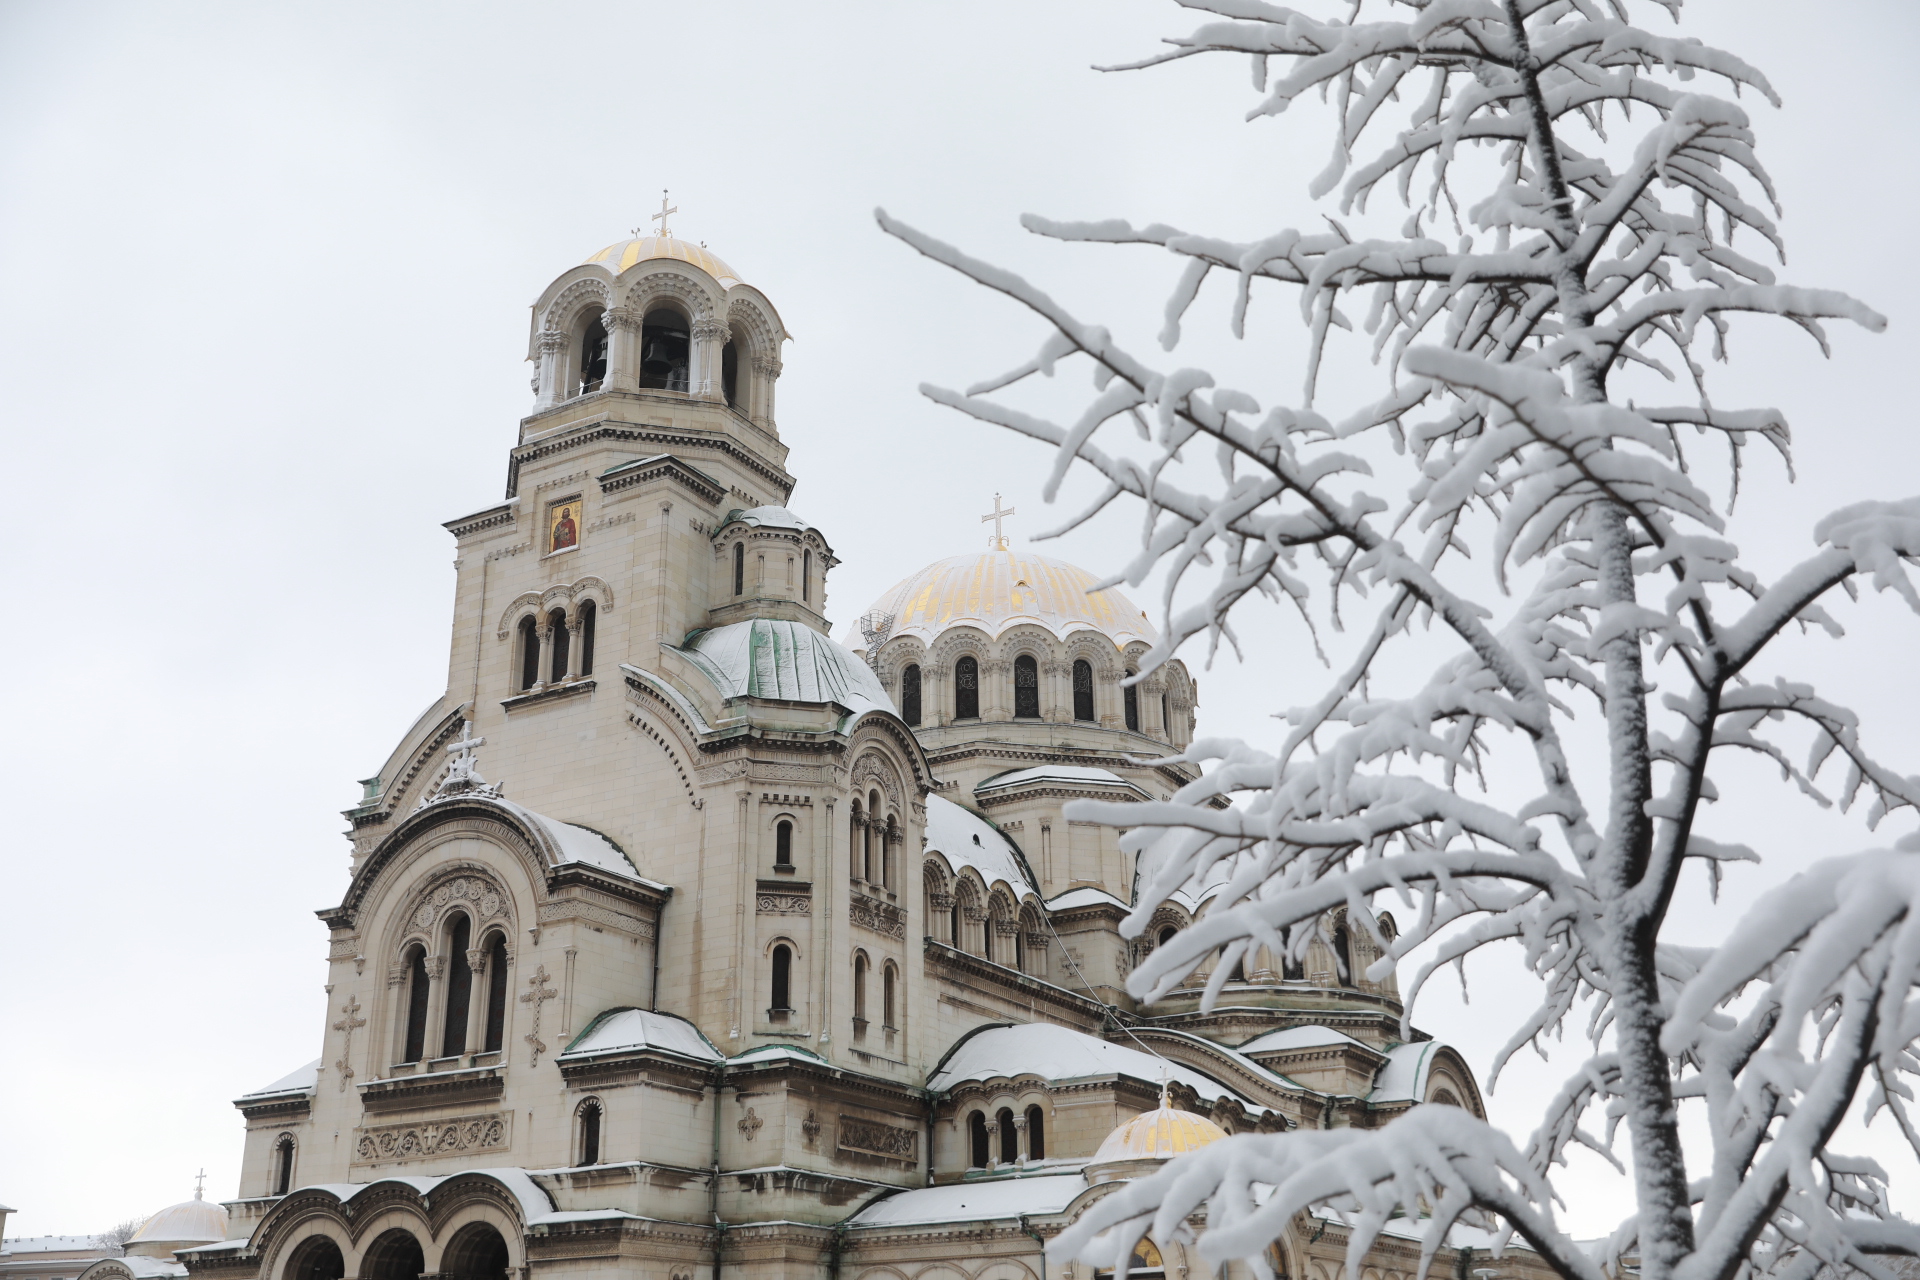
x=1054, y=773
x=300, y=1081
x=1060, y=1053
x=1312, y=1036
x=974, y=1201
x=630, y=1030
x=1404, y=1078
x=50, y=1244
x=221, y=1247
x=152, y=1268
x=765, y=1052
x=767, y=518
x=535, y=1204
x=968, y=840
x=581, y=845
x=1085, y=896
x=773, y=658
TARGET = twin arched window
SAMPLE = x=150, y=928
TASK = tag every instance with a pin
x=556, y=638
x=910, y=695
x=966, y=689
x=1026, y=687
x=458, y=1004
x=980, y=1145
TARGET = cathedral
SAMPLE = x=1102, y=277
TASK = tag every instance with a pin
x=683, y=941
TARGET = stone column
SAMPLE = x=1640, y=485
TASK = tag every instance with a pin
x=709, y=339
x=397, y=998
x=1020, y=1132
x=436, y=1008
x=477, y=1000
x=545, y=633
x=941, y=926
x=576, y=631
x=623, y=349
x=768, y=370
x=553, y=347
x=995, y=675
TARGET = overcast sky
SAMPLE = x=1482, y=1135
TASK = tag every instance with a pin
x=266, y=271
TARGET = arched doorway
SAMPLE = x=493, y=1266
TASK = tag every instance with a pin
x=476, y=1252
x=316, y=1258
x=396, y=1255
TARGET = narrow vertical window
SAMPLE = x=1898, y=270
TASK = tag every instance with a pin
x=496, y=994
x=1083, y=690
x=782, y=979
x=859, y=992
x=887, y=980
x=739, y=568
x=955, y=932
x=1131, y=697
x=1009, y=1137
x=783, y=845
x=459, y=988
x=966, y=689
x=730, y=373
x=979, y=1153
x=557, y=626
x=806, y=576
x=1343, y=952
x=910, y=695
x=283, y=1167
x=419, y=992
x=529, y=652
x=854, y=826
x=1026, y=687
x=590, y=1133
x=986, y=936
x=1166, y=718
x=1036, y=1134
x=593, y=356
x=589, y=614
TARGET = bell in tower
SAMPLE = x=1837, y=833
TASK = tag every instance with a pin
x=593, y=356
x=663, y=350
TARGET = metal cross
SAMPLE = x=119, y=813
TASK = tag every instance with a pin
x=199, y=1183
x=540, y=994
x=997, y=515
x=347, y=1024
x=661, y=217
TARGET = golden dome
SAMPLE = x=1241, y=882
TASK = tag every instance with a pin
x=996, y=590
x=1158, y=1135
x=618, y=257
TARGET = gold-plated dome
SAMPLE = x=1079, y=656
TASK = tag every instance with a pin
x=996, y=590
x=618, y=257
x=1158, y=1135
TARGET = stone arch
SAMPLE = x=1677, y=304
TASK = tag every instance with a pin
x=396, y=1253
x=876, y=769
x=562, y=313
x=657, y=281
x=319, y=1256
x=477, y=1250
x=461, y=886
x=961, y=642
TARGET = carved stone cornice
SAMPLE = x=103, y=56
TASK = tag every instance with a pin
x=601, y=430
x=500, y=517
x=438, y=1089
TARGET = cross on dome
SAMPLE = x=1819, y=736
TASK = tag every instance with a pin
x=999, y=542
x=199, y=1183
x=661, y=217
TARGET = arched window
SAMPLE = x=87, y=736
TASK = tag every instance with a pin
x=1036, y=1133
x=1131, y=697
x=1083, y=690
x=739, y=568
x=1009, y=1137
x=1026, y=687
x=856, y=826
x=395, y=1255
x=859, y=992
x=593, y=355
x=589, y=614
x=1166, y=936
x=557, y=628
x=783, y=845
x=868, y=834
x=910, y=695
x=316, y=1258
x=476, y=1252
x=889, y=980
x=1166, y=718
x=664, y=344
x=955, y=934
x=1444, y=1098
x=966, y=689
x=459, y=987
x=782, y=980
x=889, y=842
x=986, y=935
x=730, y=372
x=283, y=1165
x=590, y=1132
x=496, y=993
x=979, y=1153
x=419, y=993
x=806, y=576
x=529, y=652
x=1343, y=953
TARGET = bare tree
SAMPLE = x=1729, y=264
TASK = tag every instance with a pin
x=116, y=1236
x=1587, y=266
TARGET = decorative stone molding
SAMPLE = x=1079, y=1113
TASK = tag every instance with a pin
x=561, y=909
x=880, y=917
x=767, y=903
x=890, y=1142
x=418, y=1141
x=480, y=895
x=750, y=1124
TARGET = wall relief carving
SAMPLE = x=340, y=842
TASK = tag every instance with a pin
x=490, y=1132
x=871, y=1138
x=880, y=917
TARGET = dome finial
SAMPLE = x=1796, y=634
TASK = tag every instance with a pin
x=661, y=218
x=999, y=542
x=199, y=1182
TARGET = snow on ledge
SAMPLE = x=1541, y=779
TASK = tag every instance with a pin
x=974, y=1201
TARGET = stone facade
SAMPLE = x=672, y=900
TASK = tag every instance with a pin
x=689, y=987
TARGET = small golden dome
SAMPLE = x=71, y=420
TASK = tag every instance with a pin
x=1158, y=1135
x=996, y=590
x=618, y=257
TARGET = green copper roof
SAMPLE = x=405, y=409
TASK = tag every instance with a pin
x=769, y=658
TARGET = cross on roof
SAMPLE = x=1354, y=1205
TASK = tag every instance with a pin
x=661, y=217
x=997, y=515
x=199, y=1183
x=466, y=744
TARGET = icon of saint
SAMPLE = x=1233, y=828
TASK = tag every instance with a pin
x=565, y=532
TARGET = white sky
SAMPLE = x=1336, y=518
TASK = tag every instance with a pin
x=266, y=270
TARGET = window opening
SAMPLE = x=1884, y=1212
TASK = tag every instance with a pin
x=1026, y=687
x=955, y=931
x=664, y=345
x=557, y=627
x=855, y=866
x=589, y=614
x=459, y=988
x=887, y=1018
x=283, y=1171
x=730, y=372
x=980, y=1153
x=1343, y=953
x=1009, y=1138
x=1083, y=690
x=986, y=936
x=783, y=845
x=1166, y=935
x=419, y=991
x=1131, y=697
x=529, y=652
x=590, y=1133
x=496, y=994
x=806, y=576
x=782, y=979
x=318, y=1259
x=860, y=992
x=910, y=695
x=739, y=568
x=1036, y=1133
x=395, y=1256
x=966, y=689
x=1166, y=717
x=593, y=355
